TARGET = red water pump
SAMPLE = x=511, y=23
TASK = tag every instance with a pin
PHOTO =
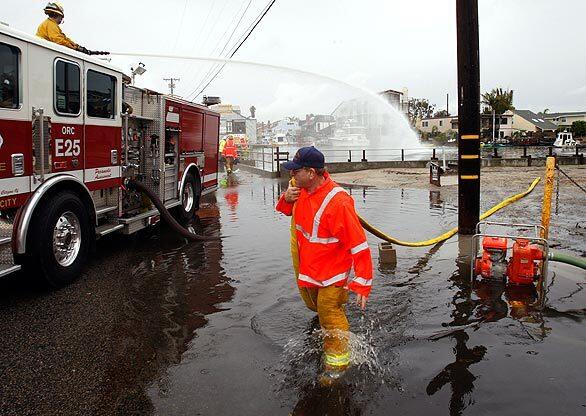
x=493, y=263
x=521, y=269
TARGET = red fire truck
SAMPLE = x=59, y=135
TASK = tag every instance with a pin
x=73, y=133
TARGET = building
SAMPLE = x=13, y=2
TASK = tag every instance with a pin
x=397, y=99
x=564, y=121
x=437, y=124
x=317, y=124
x=509, y=124
x=366, y=117
x=288, y=126
x=526, y=121
x=232, y=121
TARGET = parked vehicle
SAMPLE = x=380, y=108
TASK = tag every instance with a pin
x=73, y=134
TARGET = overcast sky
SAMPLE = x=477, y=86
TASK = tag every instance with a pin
x=535, y=47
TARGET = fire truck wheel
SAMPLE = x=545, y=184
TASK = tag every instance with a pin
x=190, y=199
x=60, y=242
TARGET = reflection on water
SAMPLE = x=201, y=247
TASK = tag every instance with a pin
x=172, y=290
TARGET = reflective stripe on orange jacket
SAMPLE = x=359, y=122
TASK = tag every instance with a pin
x=330, y=239
x=229, y=149
x=51, y=31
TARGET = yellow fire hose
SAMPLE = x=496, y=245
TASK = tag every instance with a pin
x=450, y=233
x=373, y=230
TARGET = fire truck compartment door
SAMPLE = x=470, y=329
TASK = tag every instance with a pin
x=191, y=131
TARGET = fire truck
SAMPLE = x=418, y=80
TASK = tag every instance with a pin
x=73, y=134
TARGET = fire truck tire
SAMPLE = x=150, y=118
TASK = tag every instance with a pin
x=59, y=240
x=191, y=194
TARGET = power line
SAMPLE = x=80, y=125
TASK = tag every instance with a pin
x=180, y=26
x=213, y=68
x=239, y=45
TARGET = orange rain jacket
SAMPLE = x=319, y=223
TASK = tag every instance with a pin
x=230, y=149
x=51, y=31
x=330, y=239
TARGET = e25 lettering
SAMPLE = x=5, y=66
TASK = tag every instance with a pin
x=67, y=147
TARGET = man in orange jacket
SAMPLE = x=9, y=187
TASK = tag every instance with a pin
x=50, y=30
x=330, y=241
x=230, y=152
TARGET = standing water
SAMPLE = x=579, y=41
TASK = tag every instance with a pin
x=161, y=326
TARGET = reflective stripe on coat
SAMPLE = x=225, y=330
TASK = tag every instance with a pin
x=229, y=149
x=330, y=239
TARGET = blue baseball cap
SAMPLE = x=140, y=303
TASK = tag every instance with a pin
x=306, y=157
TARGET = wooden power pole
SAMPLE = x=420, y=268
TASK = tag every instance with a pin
x=468, y=116
x=171, y=83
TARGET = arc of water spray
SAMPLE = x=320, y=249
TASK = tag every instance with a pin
x=251, y=63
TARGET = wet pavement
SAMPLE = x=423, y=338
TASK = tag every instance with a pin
x=161, y=326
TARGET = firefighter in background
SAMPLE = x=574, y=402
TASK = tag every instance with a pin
x=51, y=31
x=230, y=153
x=327, y=240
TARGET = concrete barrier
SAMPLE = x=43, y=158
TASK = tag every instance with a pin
x=340, y=167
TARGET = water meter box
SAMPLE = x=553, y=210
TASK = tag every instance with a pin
x=387, y=254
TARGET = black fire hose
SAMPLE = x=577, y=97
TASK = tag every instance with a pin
x=167, y=217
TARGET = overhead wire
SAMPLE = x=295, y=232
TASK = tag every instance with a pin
x=180, y=26
x=240, y=43
x=209, y=32
x=235, y=27
x=204, y=79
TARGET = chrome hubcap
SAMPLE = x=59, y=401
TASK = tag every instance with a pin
x=188, y=197
x=66, y=239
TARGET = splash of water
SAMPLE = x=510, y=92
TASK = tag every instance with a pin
x=301, y=361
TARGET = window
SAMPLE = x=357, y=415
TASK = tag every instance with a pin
x=503, y=120
x=239, y=127
x=441, y=123
x=67, y=85
x=228, y=127
x=424, y=123
x=101, y=95
x=9, y=88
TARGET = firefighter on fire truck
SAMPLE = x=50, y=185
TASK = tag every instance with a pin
x=51, y=31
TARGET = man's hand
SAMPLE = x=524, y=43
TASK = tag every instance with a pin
x=361, y=301
x=292, y=194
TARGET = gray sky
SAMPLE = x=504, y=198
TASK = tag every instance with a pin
x=535, y=47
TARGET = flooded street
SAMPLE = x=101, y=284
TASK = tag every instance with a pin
x=161, y=326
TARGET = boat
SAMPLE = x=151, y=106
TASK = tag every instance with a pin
x=565, y=143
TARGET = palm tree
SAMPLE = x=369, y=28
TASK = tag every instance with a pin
x=499, y=101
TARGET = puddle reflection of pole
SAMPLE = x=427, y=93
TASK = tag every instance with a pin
x=457, y=374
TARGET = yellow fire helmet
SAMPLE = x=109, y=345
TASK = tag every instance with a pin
x=54, y=7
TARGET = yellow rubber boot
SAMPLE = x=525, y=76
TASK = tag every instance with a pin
x=331, y=302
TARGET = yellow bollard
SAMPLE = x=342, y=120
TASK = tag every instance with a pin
x=547, y=192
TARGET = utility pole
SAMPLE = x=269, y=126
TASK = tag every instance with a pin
x=171, y=83
x=468, y=116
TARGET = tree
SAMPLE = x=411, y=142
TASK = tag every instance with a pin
x=579, y=128
x=442, y=113
x=498, y=101
x=419, y=108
